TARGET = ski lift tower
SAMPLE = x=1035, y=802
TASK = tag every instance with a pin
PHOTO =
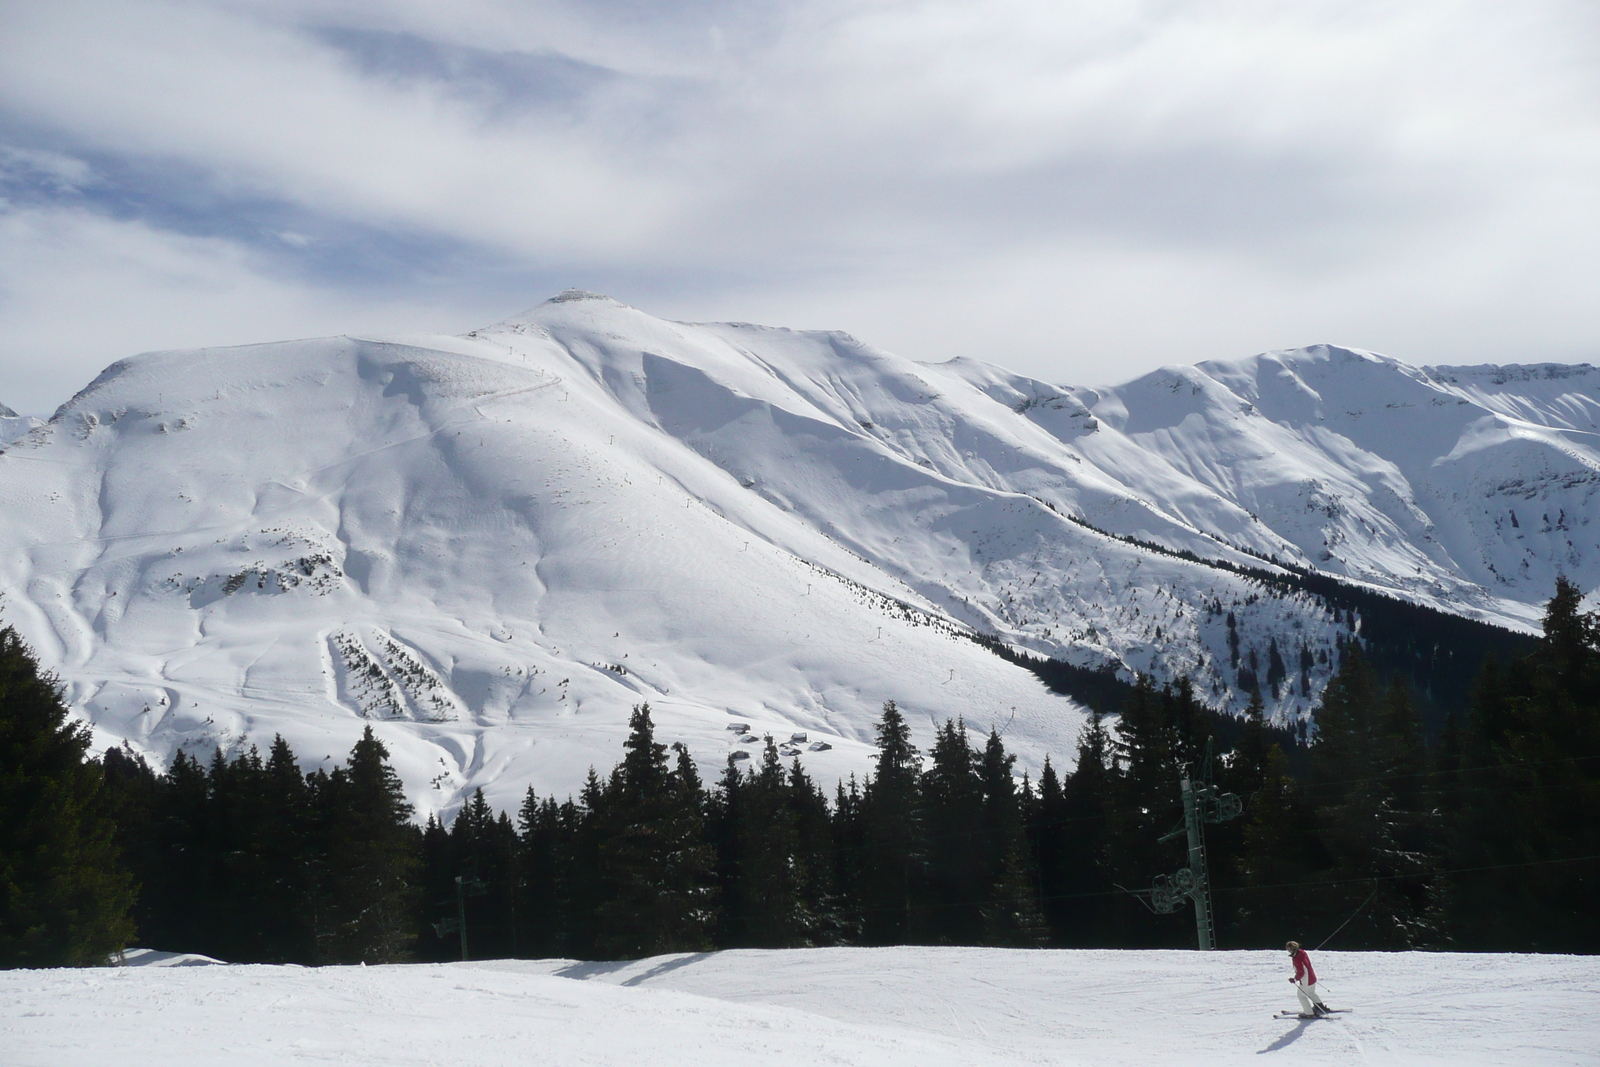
x=1201, y=804
x=467, y=885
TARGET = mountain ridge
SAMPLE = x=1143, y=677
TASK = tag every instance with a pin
x=490, y=545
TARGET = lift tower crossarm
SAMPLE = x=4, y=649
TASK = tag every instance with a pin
x=1201, y=804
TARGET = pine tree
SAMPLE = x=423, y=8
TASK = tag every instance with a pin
x=234, y=902
x=1282, y=862
x=1365, y=765
x=1085, y=913
x=543, y=862
x=1146, y=806
x=64, y=895
x=1249, y=674
x=767, y=910
x=130, y=800
x=850, y=857
x=726, y=830
x=585, y=888
x=1245, y=772
x=1147, y=748
x=183, y=889
x=827, y=921
x=1567, y=656
x=286, y=837
x=435, y=899
x=958, y=870
x=1028, y=812
x=483, y=853
x=1277, y=670
x=1526, y=837
x=1047, y=837
x=654, y=865
x=892, y=836
x=1242, y=772
x=1010, y=912
x=368, y=855
x=1191, y=724
x=691, y=863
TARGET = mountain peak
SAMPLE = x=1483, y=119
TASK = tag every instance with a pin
x=568, y=296
x=554, y=306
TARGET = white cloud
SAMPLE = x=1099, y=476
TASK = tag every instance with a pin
x=79, y=291
x=275, y=113
x=1151, y=180
x=59, y=171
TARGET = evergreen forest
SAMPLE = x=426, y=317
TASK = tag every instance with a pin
x=1478, y=833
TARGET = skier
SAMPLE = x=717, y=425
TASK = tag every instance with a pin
x=1305, y=983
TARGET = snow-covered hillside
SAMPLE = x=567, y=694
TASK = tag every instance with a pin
x=13, y=426
x=1468, y=488
x=490, y=547
x=871, y=1007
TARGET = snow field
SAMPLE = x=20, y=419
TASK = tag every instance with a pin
x=926, y=1007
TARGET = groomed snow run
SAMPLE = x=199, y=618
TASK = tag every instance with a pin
x=878, y=1007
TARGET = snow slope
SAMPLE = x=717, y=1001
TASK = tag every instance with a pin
x=490, y=547
x=13, y=426
x=873, y=1007
x=1468, y=488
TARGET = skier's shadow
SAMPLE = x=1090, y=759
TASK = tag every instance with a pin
x=584, y=971
x=1287, y=1039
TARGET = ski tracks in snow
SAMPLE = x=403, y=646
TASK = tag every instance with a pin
x=891, y=1007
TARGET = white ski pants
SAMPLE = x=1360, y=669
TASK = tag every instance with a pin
x=1310, y=999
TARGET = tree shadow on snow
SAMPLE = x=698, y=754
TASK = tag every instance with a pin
x=584, y=971
x=1287, y=1039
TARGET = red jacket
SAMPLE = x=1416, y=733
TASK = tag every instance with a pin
x=1302, y=968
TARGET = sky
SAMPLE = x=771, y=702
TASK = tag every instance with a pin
x=1080, y=190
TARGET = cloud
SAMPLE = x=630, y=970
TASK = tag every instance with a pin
x=42, y=169
x=79, y=291
x=1087, y=189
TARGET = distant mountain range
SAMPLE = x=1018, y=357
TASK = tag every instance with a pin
x=491, y=546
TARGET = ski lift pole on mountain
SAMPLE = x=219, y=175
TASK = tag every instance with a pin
x=1201, y=804
x=467, y=885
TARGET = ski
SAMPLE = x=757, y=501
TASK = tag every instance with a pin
x=1324, y=1015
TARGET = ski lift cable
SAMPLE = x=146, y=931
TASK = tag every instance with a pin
x=1141, y=893
x=1353, y=914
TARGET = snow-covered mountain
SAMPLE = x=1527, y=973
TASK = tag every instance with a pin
x=1467, y=488
x=13, y=426
x=490, y=547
